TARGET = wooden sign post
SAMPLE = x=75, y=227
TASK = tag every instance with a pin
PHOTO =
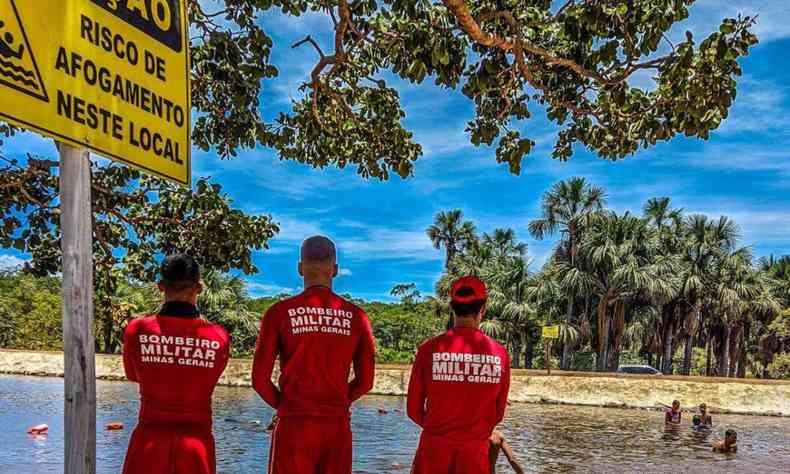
x=136, y=110
x=77, y=307
x=549, y=333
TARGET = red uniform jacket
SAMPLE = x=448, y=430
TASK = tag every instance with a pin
x=459, y=385
x=318, y=336
x=177, y=360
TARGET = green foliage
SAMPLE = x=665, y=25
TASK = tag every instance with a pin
x=780, y=326
x=30, y=312
x=135, y=219
x=261, y=305
x=224, y=301
x=780, y=367
x=575, y=64
x=400, y=328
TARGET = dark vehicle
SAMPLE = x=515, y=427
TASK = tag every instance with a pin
x=638, y=369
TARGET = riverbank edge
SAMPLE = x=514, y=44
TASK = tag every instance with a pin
x=722, y=395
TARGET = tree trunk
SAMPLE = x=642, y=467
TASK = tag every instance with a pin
x=618, y=330
x=515, y=356
x=724, y=367
x=735, y=348
x=692, y=325
x=668, y=349
x=650, y=359
x=566, y=350
x=529, y=353
x=107, y=335
x=742, y=364
x=603, y=332
x=687, y=355
x=708, y=345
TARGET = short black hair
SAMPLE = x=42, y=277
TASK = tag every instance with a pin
x=318, y=249
x=467, y=309
x=730, y=432
x=179, y=272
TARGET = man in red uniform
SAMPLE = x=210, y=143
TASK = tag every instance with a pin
x=318, y=336
x=177, y=358
x=458, y=389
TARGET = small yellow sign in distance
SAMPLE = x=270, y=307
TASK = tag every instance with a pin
x=550, y=332
x=108, y=75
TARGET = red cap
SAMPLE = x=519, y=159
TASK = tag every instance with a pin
x=468, y=290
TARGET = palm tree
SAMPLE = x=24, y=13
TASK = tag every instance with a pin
x=567, y=208
x=510, y=279
x=223, y=301
x=451, y=232
x=618, y=261
x=706, y=241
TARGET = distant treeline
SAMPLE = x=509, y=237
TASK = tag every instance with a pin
x=30, y=315
x=663, y=287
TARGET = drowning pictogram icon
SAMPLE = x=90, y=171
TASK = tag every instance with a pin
x=18, y=69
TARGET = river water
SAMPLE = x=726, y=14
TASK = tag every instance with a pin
x=546, y=438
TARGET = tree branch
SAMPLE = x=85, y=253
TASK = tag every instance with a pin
x=459, y=9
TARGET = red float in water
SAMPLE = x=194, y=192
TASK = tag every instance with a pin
x=38, y=429
x=117, y=425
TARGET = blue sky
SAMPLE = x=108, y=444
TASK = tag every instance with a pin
x=743, y=171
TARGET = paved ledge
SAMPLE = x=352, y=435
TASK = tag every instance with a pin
x=723, y=395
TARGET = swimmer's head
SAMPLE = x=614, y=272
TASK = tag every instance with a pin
x=318, y=261
x=730, y=436
x=180, y=278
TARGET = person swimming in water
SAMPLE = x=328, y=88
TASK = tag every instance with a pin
x=6, y=44
x=703, y=419
x=729, y=444
x=497, y=443
x=673, y=415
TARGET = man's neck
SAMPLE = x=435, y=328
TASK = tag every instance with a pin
x=180, y=299
x=470, y=323
x=317, y=282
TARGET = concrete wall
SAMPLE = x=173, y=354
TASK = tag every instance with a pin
x=749, y=396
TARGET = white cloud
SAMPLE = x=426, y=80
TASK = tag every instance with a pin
x=10, y=263
x=759, y=226
x=773, y=16
x=738, y=157
x=293, y=230
x=258, y=289
x=389, y=244
x=759, y=108
x=345, y=272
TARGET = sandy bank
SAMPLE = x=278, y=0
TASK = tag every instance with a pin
x=744, y=396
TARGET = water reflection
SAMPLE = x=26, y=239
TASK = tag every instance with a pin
x=545, y=438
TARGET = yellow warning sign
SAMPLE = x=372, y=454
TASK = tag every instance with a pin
x=18, y=68
x=550, y=332
x=109, y=75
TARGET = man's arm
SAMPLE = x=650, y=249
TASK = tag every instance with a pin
x=130, y=351
x=415, y=402
x=364, y=362
x=266, y=350
x=511, y=457
x=504, y=390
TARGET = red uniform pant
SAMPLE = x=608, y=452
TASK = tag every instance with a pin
x=438, y=456
x=311, y=445
x=170, y=449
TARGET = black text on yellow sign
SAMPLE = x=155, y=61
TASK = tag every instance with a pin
x=110, y=75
